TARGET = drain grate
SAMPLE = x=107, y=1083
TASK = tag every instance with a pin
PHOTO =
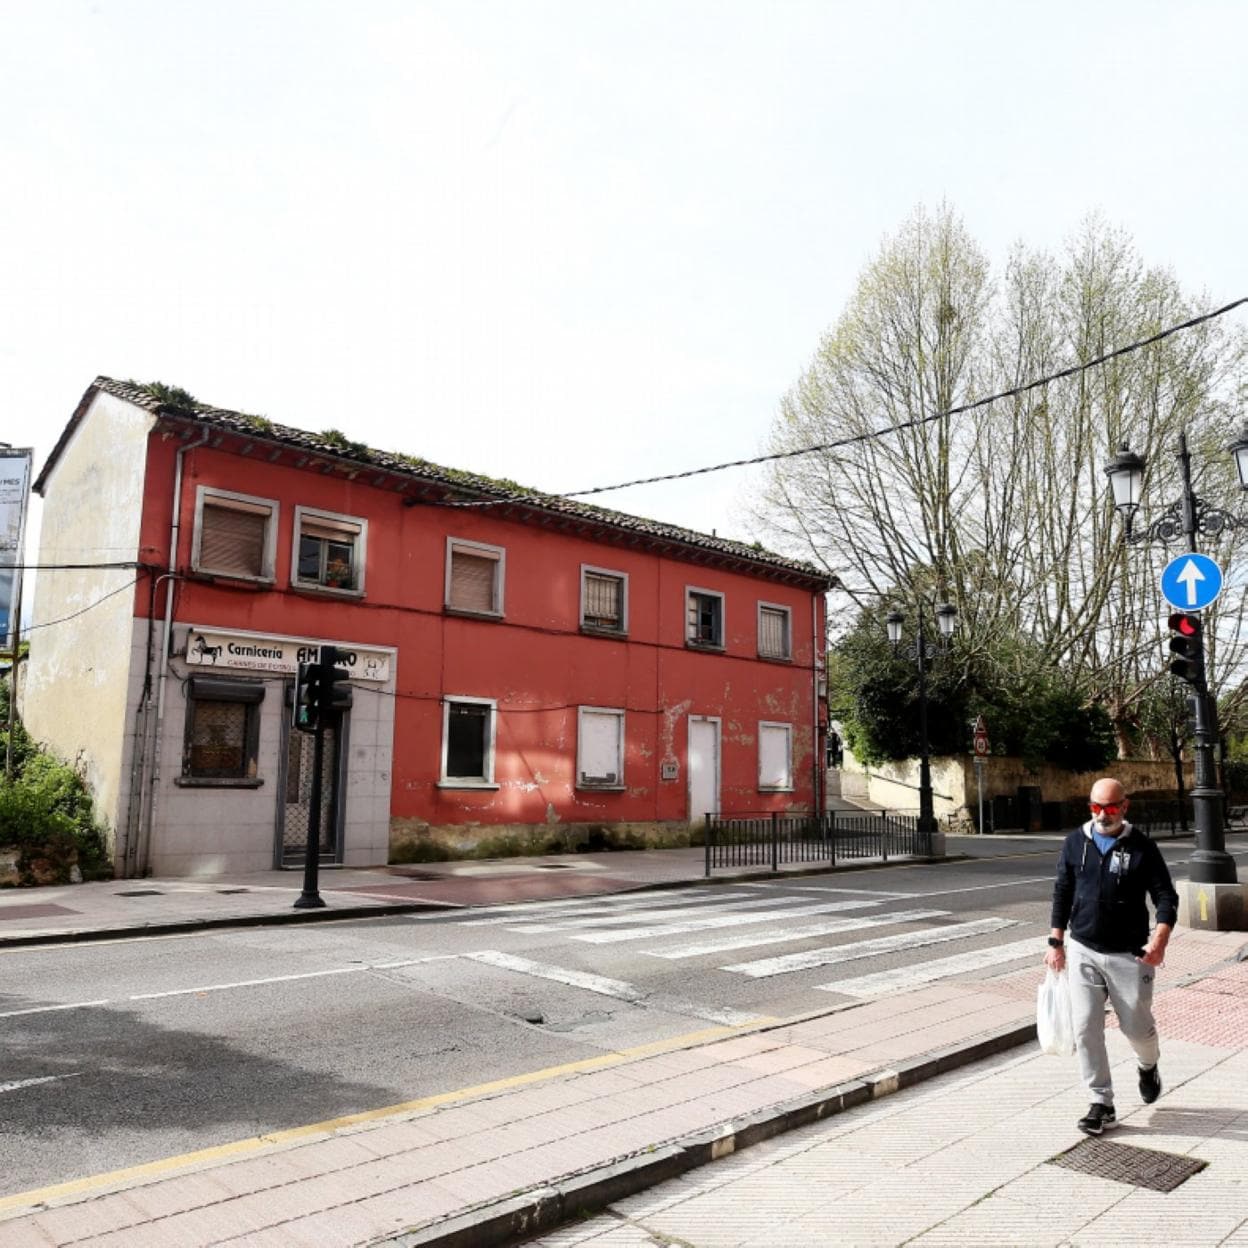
x=141, y=892
x=1124, y=1163
x=554, y=866
x=230, y=892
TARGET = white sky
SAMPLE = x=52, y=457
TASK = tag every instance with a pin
x=568, y=242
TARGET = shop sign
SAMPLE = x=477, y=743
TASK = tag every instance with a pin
x=278, y=654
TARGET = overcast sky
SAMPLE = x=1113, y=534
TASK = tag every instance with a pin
x=568, y=242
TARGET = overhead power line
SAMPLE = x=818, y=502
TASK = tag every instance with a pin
x=918, y=420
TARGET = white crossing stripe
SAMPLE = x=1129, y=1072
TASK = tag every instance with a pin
x=782, y=935
x=594, y=905
x=616, y=988
x=701, y=923
x=809, y=959
x=681, y=914
x=13, y=1084
x=903, y=977
x=823, y=888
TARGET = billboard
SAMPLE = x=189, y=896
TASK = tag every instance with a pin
x=14, y=489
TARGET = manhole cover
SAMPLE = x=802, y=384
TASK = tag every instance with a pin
x=141, y=892
x=1124, y=1163
x=229, y=892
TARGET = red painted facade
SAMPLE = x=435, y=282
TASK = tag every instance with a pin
x=535, y=661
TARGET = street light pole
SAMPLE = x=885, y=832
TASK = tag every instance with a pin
x=1209, y=863
x=946, y=615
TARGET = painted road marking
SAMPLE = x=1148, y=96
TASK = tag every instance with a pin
x=276, y=1140
x=822, y=888
x=711, y=921
x=48, y=1009
x=781, y=935
x=979, y=888
x=665, y=897
x=682, y=914
x=810, y=959
x=13, y=1084
x=903, y=977
x=617, y=988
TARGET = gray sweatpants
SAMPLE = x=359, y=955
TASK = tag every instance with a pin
x=1128, y=984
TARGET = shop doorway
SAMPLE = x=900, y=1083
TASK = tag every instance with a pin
x=295, y=799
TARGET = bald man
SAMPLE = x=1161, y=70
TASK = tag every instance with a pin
x=1105, y=871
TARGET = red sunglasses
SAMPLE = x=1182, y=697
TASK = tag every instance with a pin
x=1109, y=808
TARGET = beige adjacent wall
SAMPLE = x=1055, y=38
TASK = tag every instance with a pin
x=76, y=682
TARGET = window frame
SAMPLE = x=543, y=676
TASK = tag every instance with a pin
x=468, y=782
x=483, y=550
x=248, y=693
x=696, y=643
x=603, y=630
x=787, y=612
x=360, y=543
x=788, y=756
x=587, y=783
x=213, y=493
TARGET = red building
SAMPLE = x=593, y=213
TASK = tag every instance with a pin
x=529, y=672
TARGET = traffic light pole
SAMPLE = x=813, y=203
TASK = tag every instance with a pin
x=1209, y=863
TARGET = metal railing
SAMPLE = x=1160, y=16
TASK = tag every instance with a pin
x=772, y=838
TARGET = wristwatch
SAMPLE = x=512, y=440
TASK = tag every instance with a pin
x=1054, y=943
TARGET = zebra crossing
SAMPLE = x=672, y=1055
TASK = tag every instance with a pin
x=727, y=926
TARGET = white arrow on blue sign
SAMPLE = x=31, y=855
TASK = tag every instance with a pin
x=1191, y=582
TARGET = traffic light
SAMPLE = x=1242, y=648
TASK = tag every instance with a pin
x=305, y=714
x=1187, y=648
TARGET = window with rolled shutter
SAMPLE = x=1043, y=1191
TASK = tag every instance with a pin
x=474, y=580
x=329, y=550
x=773, y=632
x=603, y=601
x=232, y=539
x=705, y=618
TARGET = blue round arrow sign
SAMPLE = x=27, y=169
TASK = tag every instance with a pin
x=1191, y=582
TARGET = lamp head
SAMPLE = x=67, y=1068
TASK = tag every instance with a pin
x=1126, y=478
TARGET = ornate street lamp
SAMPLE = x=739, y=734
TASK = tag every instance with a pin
x=1190, y=515
x=946, y=618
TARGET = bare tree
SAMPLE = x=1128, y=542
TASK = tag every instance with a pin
x=1005, y=508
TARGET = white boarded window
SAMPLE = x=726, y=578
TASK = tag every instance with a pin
x=235, y=534
x=775, y=756
x=604, y=600
x=599, y=748
x=774, y=631
x=474, y=577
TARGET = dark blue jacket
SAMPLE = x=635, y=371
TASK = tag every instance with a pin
x=1106, y=909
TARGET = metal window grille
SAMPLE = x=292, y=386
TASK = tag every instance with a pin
x=773, y=633
x=473, y=582
x=232, y=539
x=604, y=600
x=217, y=747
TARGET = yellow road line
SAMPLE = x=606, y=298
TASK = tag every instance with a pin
x=241, y=1148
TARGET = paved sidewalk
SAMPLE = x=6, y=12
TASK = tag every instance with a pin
x=969, y=1158
x=487, y=1165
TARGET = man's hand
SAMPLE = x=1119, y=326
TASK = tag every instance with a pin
x=1055, y=959
x=1154, y=953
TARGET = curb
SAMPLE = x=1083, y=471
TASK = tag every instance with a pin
x=329, y=914
x=542, y=1209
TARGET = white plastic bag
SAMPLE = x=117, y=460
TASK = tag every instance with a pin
x=1055, y=1028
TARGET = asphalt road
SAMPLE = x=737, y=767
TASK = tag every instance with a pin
x=118, y=1053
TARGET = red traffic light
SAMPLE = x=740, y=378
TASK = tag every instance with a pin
x=1185, y=625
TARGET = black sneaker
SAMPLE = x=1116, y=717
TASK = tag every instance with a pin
x=1150, y=1084
x=1098, y=1118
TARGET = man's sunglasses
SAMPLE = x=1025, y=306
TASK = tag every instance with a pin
x=1109, y=808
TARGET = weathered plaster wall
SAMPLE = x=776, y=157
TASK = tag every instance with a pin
x=896, y=785
x=76, y=683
